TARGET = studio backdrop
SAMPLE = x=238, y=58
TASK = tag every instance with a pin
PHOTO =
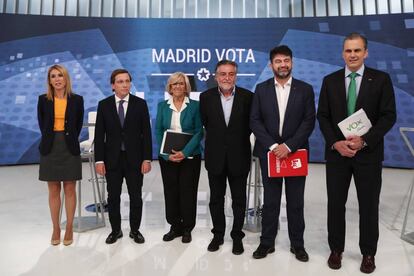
x=152, y=49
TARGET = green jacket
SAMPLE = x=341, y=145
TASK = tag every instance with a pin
x=190, y=122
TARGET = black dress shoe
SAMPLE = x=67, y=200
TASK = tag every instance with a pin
x=137, y=236
x=186, y=237
x=238, y=248
x=215, y=244
x=171, y=235
x=335, y=260
x=114, y=236
x=367, y=264
x=300, y=253
x=262, y=251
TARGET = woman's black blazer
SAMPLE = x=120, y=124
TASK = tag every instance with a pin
x=73, y=123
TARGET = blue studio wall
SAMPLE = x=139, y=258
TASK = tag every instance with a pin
x=151, y=49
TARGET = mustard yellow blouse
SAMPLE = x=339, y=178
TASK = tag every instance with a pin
x=60, y=109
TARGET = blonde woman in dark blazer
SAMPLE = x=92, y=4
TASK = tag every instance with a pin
x=60, y=116
x=180, y=170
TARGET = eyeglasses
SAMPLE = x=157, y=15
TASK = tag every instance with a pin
x=178, y=83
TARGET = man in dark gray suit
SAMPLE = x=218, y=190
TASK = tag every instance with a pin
x=282, y=119
x=225, y=115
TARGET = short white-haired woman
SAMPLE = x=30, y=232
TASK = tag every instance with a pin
x=180, y=169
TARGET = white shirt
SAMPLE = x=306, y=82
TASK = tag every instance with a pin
x=282, y=95
x=125, y=104
x=176, y=115
x=358, y=78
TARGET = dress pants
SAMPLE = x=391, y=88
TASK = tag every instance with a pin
x=134, y=178
x=180, y=181
x=218, y=185
x=367, y=179
x=294, y=188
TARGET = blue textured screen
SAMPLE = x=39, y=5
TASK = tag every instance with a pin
x=151, y=49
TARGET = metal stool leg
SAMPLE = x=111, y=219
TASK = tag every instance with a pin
x=253, y=216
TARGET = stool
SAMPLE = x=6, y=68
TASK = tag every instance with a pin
x=86, y=223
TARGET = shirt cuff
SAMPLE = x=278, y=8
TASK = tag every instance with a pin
x=287, y=147
x=99, y=162
x=272, y=147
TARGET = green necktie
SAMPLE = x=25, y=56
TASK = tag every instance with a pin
x=352, y=96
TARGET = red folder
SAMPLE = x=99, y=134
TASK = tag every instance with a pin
x=296, y=164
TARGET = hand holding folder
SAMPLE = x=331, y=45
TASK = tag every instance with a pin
x=173, y=140
x=296, y=164
x=357, y=124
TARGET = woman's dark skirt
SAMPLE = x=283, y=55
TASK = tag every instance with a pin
x=60, y=164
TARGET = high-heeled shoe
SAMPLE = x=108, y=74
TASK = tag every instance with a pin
x=68, y=241
x=54, y=241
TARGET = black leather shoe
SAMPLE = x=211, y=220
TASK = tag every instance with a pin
x=113, y=237
x=262, y=251
x=215, y=244
x=186, y=237
x=300, y=253
x=368, y=264
x=238, y=248
x=137, y=236
x=171, y=235
x=335, y=260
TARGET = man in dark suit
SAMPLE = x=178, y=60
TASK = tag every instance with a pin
x=123, y=149
x=225, y=115
x=282, y=119
x=360, y=157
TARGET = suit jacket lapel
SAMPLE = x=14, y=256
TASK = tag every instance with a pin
x=342, y=99
x=183, y=115
x=237, y=101
x=365, y=83
x=272, y=103
x=291, y=102
x=131, y=106
x=69, y=107
x=218, y=106
x=114, y=111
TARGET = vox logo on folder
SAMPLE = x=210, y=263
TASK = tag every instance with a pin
x=296, y=164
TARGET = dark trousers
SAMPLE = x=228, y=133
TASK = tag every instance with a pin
x=294, y=189
x=367, y=179
x=180, y=181
x=218, y=185
x=114, y=179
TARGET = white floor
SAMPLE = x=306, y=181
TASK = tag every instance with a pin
x=26, y=229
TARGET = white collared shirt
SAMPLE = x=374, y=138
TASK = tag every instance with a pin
x=358, y=78
x=125, y=104
x=176, y=115
x=282, y=94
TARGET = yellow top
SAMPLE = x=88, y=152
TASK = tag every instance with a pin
x=60, y=109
